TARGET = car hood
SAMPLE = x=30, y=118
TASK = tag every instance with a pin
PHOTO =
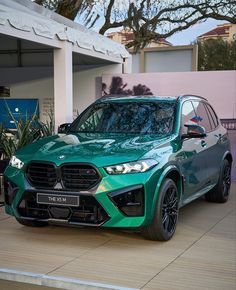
x=99, y=149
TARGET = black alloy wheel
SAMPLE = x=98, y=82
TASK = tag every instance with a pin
x=165, y=218
x=226, y=180
x=170, y=210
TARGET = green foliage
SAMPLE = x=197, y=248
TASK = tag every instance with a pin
x=48, y=128
x=27, y=130
x=7, y=144
x=216, y=54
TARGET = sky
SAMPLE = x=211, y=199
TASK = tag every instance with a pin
x=190, y=34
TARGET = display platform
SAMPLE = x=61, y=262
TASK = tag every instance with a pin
x=200, y=256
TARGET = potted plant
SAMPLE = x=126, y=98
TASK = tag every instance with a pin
x=26, y=131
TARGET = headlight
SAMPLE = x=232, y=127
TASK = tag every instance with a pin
x=16, y=162
x=131, y=167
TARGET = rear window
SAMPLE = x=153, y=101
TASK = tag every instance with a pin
x=202, y=115
x=213, y=117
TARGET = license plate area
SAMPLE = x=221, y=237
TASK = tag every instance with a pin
x=57, y=199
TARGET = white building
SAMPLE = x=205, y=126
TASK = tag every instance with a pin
x=47, y=57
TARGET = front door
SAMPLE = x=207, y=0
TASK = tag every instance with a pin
x=193, y=157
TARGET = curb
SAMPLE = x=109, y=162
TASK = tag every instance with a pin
x=54, y=281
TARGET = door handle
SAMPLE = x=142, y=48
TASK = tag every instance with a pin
x=219, y=137
x=203, y=143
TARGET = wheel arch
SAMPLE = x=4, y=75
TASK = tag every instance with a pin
x=228, y=156
x=173, y=173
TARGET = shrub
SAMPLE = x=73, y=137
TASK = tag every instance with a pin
x=26, y=131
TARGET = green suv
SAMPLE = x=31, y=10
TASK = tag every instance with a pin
x=125, y=162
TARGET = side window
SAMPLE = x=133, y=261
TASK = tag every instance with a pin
x=213, y=115
x=202, y=115
x=188, y=115
x=209, y=117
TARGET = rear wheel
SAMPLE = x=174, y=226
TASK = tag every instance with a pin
x=220, y=193
x=165, y=218
x=31, y=223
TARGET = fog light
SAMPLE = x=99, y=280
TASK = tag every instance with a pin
x=130, y=201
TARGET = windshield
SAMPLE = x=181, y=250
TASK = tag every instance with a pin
x=127, y=117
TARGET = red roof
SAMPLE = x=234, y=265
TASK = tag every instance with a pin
x=219, y=30
x=162, y=40
x=129, y=36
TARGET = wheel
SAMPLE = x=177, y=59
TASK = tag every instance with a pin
x=220, y=193
x=31, y=223
x=165, y=218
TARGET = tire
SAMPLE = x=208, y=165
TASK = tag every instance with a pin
x=31, y=223
x=220, y=193
x=165, y=218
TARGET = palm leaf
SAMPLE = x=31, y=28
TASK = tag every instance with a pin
x=27, y=130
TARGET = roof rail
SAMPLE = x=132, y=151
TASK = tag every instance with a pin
x=191, y=95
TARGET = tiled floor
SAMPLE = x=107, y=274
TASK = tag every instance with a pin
x=200, y=256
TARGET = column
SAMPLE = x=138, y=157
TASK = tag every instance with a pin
x=63, y=85
x=127, y=65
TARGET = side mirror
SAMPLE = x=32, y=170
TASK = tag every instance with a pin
x=63, y=128
x=194, y=131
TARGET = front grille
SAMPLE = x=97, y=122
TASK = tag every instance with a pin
x=71, y=176
x=88, y=212
x=79, y=176
x=41, y=175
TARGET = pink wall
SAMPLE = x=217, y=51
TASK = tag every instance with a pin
x=219, y=87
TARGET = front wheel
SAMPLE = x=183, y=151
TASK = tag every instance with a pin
x=165, y=218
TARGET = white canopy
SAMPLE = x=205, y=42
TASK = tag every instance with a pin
x=28, y=17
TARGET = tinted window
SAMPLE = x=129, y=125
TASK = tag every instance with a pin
x=202, y=115
x=188, y=115
x=212, y=116
x=127, y=117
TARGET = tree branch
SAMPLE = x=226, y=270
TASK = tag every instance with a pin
x=148, y=19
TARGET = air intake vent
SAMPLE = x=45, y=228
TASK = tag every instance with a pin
x=88, y=212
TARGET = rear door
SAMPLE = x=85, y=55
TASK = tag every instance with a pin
x=218, y=143
x=211, y=142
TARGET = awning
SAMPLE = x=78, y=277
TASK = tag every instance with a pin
x=32, y=19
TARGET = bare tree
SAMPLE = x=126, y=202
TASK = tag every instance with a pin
x=148, y=19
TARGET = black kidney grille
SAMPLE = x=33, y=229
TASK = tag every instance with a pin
x=72, y=176
x=79, y=176
x=41, y=175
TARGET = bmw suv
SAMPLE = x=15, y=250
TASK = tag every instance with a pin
x=125, y=162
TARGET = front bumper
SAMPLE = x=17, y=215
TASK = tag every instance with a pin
x=124, y=201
